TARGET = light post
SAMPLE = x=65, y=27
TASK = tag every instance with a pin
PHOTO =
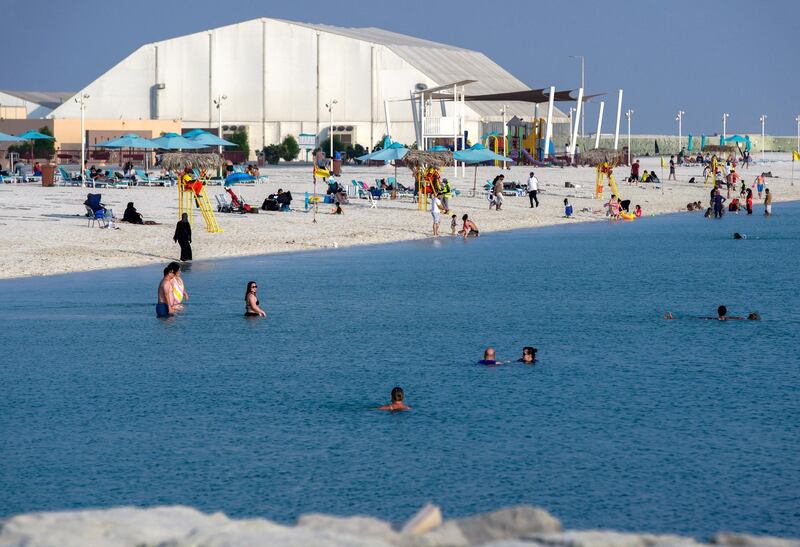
x=797, y=119
x=628, y=116
x=725, y=117
x=679, y=118
x=583, y=116
x=763, y=120
x=81, y=100
x=329, y=106
x=218, y=104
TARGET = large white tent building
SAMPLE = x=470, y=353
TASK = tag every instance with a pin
x=277, y=77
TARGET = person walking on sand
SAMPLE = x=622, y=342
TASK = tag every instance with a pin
x=183, y=236
x=252, y=306
x=533, y=189
x=165, y=299
x=397, y=403
x=436, y=213
x=767, y=202
x=497, y=191
x=672, y=169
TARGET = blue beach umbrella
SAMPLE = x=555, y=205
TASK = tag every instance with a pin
x=173, y=141
x=34, y=136
x=477, y=154
x=5, y=137
x=207, y=139
x=131, y=140
x=439, y=148
x=237, y=178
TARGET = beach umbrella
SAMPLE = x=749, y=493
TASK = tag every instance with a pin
x=477, y=154
x=395, y=151
x=439, y=148
x=131, y=140
x=237, y=178
x=207, y=139
x=34, y=136
x=173, y=141
x=4, y=137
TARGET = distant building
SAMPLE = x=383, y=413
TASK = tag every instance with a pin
x=278, y=76
x=17, y=105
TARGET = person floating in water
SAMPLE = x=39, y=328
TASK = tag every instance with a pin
x=251, y=303
x=528, y=355
x=753, y=316
x=397, y=403
x=737, y=235
x=490, y=358
x=722, y=315
x=165, y=299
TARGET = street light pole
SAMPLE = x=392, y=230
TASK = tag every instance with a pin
x=628, y=116
x=679, y=117
x=725, y=117
x=583, y=115
x=218, y=104
x=330, y=131
x=81, y=100
x=763, y=119
x=797, y=119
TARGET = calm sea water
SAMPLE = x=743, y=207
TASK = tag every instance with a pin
x=628, y=421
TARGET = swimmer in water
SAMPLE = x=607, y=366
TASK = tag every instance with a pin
x=722, y=315
x=490, y=358
x=397, y=401
x=737, y=235
x=252, y=306
x=668, y=316
x=753, y=316
x=528, y=355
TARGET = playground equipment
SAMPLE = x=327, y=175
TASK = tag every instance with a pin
x=192, y=185
x=605, y=172
x=711, y=172
x=426, y=167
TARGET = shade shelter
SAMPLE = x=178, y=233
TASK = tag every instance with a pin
x=5, y=137
x=173, y=141
x=34, y=136
x=206, y=139
x=131, y=141
x=395, y=151
x=477, y=154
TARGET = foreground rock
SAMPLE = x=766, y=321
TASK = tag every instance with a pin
x=178, y=526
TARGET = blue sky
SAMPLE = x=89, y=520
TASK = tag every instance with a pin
x=705, y=57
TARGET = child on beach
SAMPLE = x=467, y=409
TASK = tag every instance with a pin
x=638, y=211
x=453, y=225
x=613, y=207
x=768, y=203
x=567, y=208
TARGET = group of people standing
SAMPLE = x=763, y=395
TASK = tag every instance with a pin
x=172, y=293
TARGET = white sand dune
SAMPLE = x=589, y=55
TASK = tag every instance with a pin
x=43, y=230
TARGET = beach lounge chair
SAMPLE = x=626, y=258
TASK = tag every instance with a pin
x=224, y=203
x=67, y=179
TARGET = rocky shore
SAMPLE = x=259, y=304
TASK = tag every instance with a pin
x=178, y=526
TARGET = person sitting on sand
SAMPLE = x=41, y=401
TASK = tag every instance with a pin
x=733, y=206
x=469, y=229
x=252, y=306
x=653, y=177
x=567, y=208
x=638, y=211
x=131, y=215
x=528, y=355
x=397, y=403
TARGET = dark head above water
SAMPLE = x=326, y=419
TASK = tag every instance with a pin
x=722, y=311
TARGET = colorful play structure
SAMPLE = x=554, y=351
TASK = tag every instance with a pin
x=525, y=141
x=192, y=185
x=605, y=173
x=711, y=173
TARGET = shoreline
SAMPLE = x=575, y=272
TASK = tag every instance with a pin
x=43, y=234
x=179, y=525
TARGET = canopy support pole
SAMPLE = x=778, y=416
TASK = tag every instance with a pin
x=549, y=131
x=575, y=126
x=619, y=114
x=599, y=125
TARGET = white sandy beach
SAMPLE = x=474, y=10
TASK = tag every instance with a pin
x=43, y=231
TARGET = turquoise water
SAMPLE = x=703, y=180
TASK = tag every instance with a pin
x=628, y=421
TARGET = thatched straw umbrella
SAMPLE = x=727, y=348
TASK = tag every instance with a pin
x=177, y=161
x=420, y=160
x=719, y=148
x=596, y=156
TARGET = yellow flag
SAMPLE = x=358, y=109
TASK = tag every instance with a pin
x=662, y=162
x=795, y=155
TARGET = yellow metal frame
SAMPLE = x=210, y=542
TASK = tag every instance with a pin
x=605, y=171
x=186, y=200
x=712, y=173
